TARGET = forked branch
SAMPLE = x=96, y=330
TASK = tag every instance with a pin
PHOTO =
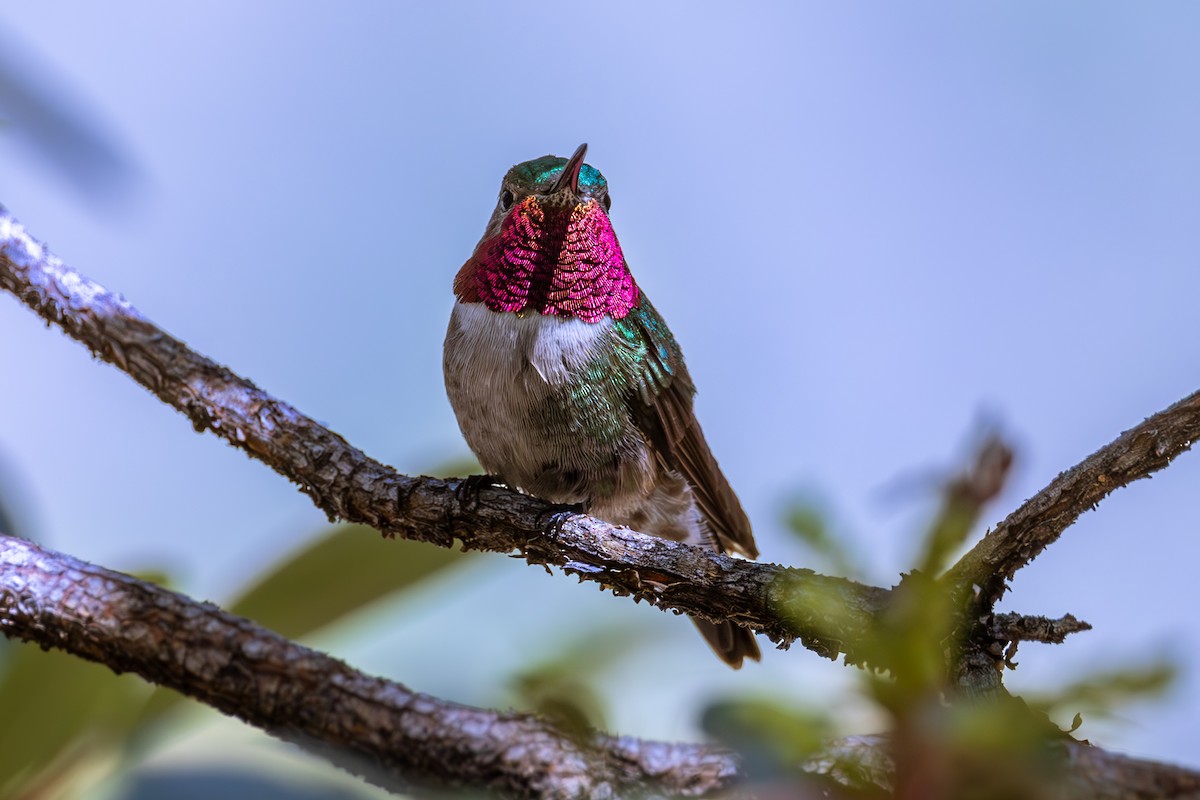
x=1135, y=454
x=347, y=484
x=244, y=671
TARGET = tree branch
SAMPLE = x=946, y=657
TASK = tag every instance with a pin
x=1025, y=533
x=1021, y=628
x=784, y=604
x=380, y=729
x=1084, y=773
x=398, y=738
x=827, y=615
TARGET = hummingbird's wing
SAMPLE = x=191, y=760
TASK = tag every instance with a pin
x=661, y=405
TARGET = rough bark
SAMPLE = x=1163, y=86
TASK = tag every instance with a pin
x=785, y=604
x=1084, y=772
x=1025, y=533
x=347, y=484
x=391, y=735
x=398, y=738
x=264, y=679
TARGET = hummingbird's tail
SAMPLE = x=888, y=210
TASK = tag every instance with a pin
x=731, y=642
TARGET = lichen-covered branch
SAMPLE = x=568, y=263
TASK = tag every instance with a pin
x=388, y=733
x=1025, y=533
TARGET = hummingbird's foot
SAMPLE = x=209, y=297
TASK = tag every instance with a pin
x=467, y=493
x=554, y=518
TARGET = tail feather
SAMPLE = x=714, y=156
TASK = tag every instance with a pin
x=730, y=642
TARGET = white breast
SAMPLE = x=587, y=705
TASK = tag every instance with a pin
x=505, y=377
x=506, y=345
x=499, y=370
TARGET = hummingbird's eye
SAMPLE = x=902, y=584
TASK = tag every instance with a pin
x=607, y=202
x=506, y=200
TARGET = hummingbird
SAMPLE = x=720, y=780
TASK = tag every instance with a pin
x=568, y=385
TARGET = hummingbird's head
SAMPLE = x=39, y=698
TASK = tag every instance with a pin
x=549, y=246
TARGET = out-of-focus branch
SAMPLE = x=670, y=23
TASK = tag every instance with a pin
x=1025, y=533
x=828, y=615
x=1083, y=772
x=39, y=108
x=389, y=734
x=398, y=738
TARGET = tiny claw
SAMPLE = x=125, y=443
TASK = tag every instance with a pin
x=556, y=517
x=1010, y=653
x=467, y=493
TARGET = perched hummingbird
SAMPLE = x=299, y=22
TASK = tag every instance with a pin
x=567, y=383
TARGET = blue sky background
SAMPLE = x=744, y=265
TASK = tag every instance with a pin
x=871, y=227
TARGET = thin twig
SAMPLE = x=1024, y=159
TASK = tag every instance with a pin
x=1021, y=628
x=1025, y=533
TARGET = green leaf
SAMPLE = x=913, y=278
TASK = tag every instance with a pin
x=335, y=575
x=59, y=710
x=561, y=685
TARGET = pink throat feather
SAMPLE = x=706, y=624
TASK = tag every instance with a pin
x=557, y=262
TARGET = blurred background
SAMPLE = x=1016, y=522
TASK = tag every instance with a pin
x=876, y=231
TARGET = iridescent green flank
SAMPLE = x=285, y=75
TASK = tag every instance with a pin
x=619, y=386
x=540, y=173
x=649, y=356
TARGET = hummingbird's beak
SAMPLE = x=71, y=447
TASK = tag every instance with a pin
x=570, y=173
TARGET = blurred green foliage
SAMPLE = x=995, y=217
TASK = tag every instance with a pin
x=774, y=736
x=561, y=686
x=989, y=748
x=338, y=574
x=809, y=519
x=83, y=712
x=944, y=744
x=997, y=747
x=1103, y=692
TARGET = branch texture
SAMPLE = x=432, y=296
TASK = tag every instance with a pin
x=1085, y=773
x=347, y=484
x=299, y=694
x=1021, y=628
x=377, y=728
x=827, y=615
x=1024, y=534
x=398, y=738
